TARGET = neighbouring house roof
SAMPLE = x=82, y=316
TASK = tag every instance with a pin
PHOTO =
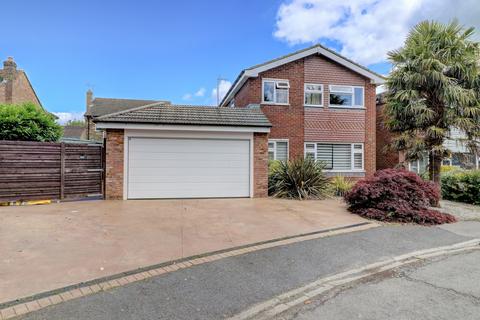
x=73, y=132
x=190, y=115
x=11, y=73
x=316, y=49
x=103, y=106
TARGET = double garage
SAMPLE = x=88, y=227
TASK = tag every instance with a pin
x=187, y=167
x=168, y=161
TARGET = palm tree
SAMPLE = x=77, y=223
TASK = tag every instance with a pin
x=434, y=86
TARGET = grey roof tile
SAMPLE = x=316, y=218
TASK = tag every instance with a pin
x=103, y=106
x=191, y=115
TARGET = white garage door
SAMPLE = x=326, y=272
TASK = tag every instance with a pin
x=188, y=168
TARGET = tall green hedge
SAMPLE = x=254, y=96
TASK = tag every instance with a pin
x=27, y=122
x=462, y=186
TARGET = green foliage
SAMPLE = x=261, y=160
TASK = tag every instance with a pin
x=27, y=122
x=298, y=179
x=75, y=123
x=341, y=185
x=462, y=186
x=434, y=86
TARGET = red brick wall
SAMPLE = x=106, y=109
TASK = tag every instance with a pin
x=17, y=89
x=334, y=125
x=300, y=124
x=287, y=121
x=385, y=159
x=114, y=164
x=370, y=129
x=260, y=165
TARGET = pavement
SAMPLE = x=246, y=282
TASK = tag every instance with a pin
x=53, y=246
x=442, y=288
x=463, y=211
x=225, y=287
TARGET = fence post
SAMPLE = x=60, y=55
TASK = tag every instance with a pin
x=62, y=170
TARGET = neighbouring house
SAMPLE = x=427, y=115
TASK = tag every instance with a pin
x=15, y=87
x=312, y=103
x=96, y=107
x=74, y=132
x=460, y=155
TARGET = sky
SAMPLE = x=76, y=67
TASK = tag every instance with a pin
x=177, y=50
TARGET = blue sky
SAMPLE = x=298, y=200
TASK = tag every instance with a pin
x=175, y=50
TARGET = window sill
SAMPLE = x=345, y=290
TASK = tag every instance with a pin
x=275, y=104
x=313, y=106
x=345, y=171
x=346, y=107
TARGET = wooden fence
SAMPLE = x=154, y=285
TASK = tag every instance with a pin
x=47, y=170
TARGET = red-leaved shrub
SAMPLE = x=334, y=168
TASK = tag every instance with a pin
x=397, y=195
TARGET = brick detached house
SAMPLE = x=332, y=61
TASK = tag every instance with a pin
x=320, y=104
x=312, y=103
x=96, y=107
x=15, y=88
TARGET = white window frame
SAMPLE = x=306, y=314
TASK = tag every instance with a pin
x=313, y=91
x=275, y=147
x=352, y=160
x=353, y=106
x=275, y=92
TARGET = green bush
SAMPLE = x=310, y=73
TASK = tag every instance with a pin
x=462, y=186
x=341, y=185
x=298, y=179
x=27, y=122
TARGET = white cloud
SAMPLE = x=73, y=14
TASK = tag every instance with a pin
x=64, y=117
x=366, y=29
x=187, y=96
x=200, y=92
x=223, y=87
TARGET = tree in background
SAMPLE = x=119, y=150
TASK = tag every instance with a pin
x=75, y=123
x=27, y=122
x=433, y=87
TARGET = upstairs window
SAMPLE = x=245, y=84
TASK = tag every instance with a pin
x=313, y=95
x=277, y=150
x=346, y=97
x=275, y=91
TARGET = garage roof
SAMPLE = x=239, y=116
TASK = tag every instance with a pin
x=189, y=115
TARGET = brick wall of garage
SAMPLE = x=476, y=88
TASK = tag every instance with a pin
x=114, y=178
x=114, y=162
x=260, y=165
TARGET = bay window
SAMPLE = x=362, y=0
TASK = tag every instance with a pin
x=275, y=91
x=346, y=96
x=338, y=156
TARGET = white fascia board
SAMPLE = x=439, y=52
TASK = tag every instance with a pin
x=148, y=126
x=375, y=79
x=237, y=87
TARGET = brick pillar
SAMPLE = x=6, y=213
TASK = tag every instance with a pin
x=370, y=130
x=260, y=165
x=114, y=164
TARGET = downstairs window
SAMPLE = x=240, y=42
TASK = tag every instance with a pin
x=338, y=156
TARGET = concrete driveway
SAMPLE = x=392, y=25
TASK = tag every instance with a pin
x=47, y=247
